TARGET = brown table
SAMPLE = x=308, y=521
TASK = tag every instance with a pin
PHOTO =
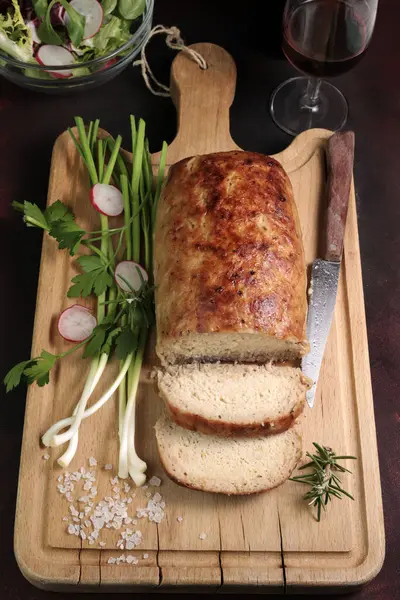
x=29, y=124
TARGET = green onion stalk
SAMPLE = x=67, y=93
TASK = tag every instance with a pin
x=140, y=195
x=86, y=145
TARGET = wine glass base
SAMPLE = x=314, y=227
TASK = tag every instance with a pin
x=290, y=114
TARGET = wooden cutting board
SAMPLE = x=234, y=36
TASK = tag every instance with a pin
x=269, y=542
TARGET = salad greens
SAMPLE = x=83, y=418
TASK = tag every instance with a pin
x=124, y=317
x=15, y=35
x=86, y=29
x=114, y=34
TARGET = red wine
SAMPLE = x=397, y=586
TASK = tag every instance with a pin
x=325, y=37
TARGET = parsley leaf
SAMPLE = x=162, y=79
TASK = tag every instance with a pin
x=13, y=377
x=126, y=342
x=33, y=216
x=95, y=344
x=58, y=212
x=95, y=278
x=40, y=368
x=68, y=234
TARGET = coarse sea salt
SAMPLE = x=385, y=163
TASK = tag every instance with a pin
x=155, y=481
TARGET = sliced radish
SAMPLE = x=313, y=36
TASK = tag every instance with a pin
x=93, y=13
x=127, y=276
x=76, y=323
x=109, y=63
x=52, y=56
x=107, y=199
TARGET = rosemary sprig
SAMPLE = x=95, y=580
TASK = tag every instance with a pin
x=323, y=479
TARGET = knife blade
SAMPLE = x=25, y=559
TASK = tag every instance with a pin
x=325, y=270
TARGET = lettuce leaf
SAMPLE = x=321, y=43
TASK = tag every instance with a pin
x=15, y=36
x=112, y=35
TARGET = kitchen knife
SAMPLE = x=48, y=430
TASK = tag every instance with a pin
x=325, y=270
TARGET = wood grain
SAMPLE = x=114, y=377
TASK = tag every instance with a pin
x=262, y=543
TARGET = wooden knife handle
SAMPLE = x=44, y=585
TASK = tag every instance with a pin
x=340, y=159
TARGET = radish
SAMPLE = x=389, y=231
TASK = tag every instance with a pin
x=93, y=13
x=52, y=56
x=127, y=276
x=76, y=323
x=107, y=199
x=109, y=63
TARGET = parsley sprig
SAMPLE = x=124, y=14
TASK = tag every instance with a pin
x=123, y=318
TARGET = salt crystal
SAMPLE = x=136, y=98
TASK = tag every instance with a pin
x=129, y=500
x=203, y=536
x=93, y=491
x=82, y=534
x=132, y=560
x=71, y=529
x=59, y=478
x=87, y=485
x=116, y=489
x=108, y=467
x=128, y=520
x=84, y=499
x=112, y=560
x=127, y=488
x=65, y=519
x=179, y=519
x=75, y=519
x=87, y=523
x=82, y=470
x=145, y=556
x=81, y=515
x=155, y=481
x=102, y=544
x=114, y=480
x=92, y=461
x=46, y=456
x=157, y=497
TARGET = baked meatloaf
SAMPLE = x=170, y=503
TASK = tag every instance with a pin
x=233, y=399
x=233, y=466
x=229, y=263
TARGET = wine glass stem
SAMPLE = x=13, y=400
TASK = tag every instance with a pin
x=310, y=101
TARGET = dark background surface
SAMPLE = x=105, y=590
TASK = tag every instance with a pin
x=30, y=123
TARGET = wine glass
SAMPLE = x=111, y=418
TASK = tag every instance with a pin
x=320, y=38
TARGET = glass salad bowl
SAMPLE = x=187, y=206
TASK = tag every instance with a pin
x=48, y=67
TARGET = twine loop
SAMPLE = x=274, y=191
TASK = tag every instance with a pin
x=175, y=42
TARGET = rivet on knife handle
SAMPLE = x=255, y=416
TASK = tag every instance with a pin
x=340, y=158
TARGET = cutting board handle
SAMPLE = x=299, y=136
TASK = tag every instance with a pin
x=202, y=98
